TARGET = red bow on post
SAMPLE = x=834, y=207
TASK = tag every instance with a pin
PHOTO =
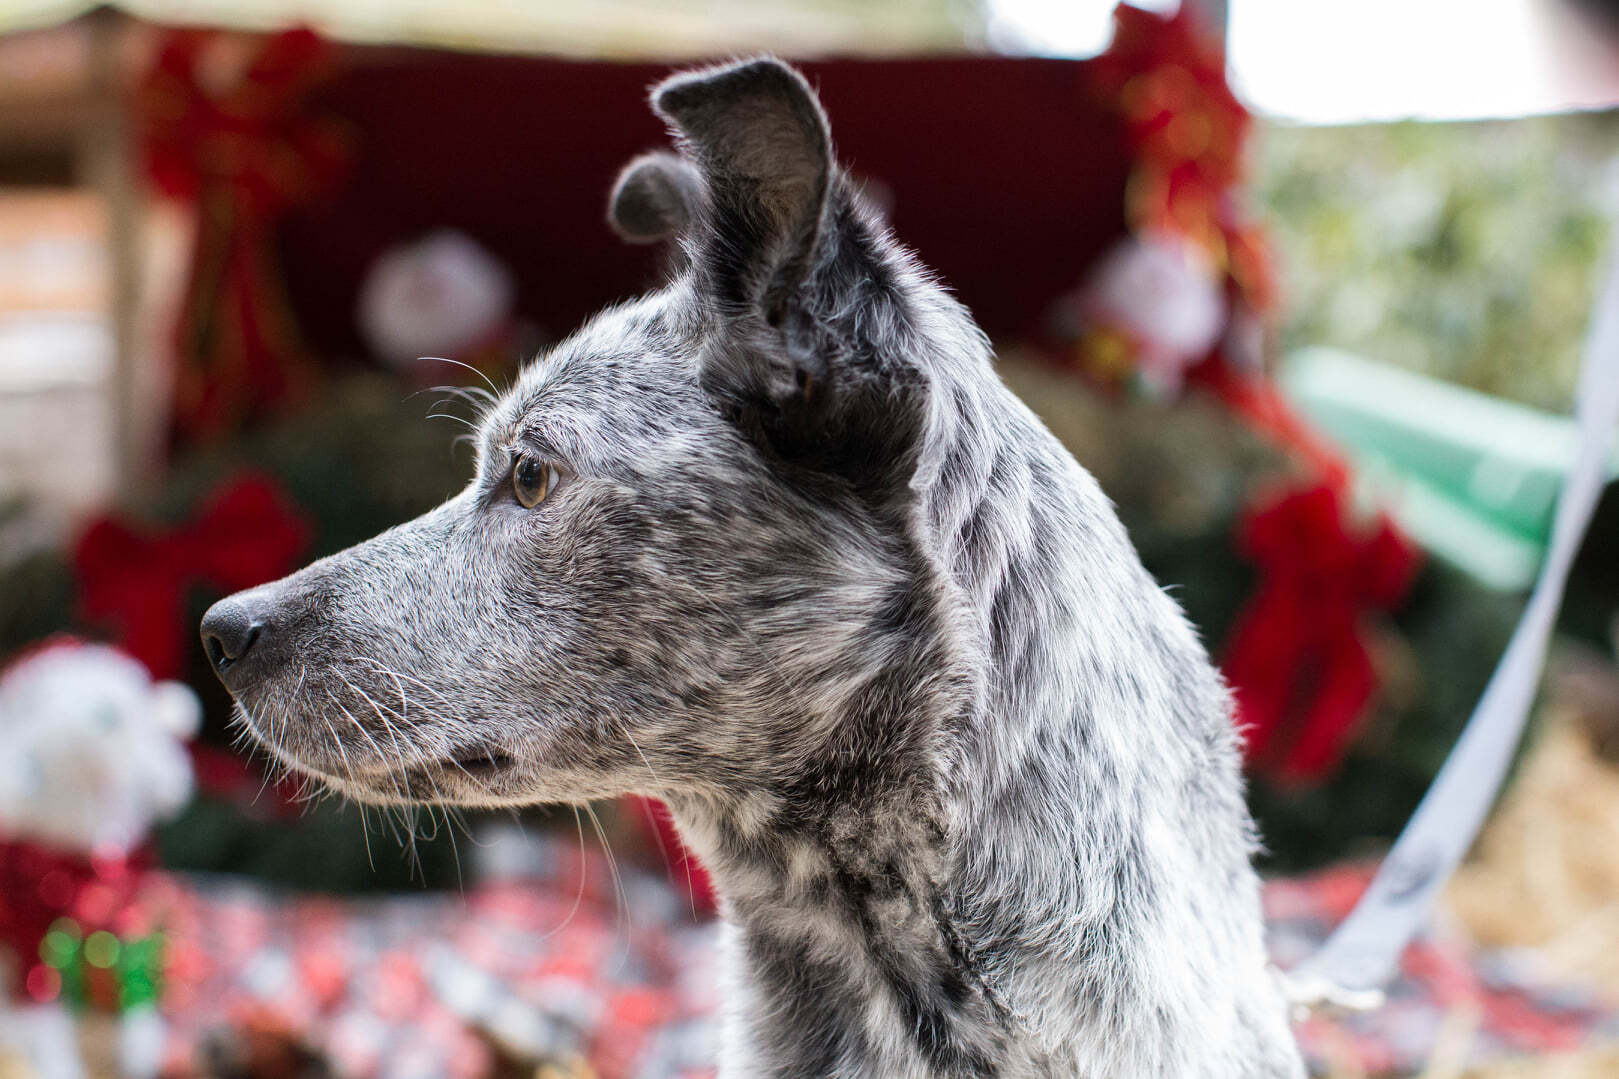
x=243, y=153
x=1297, y=657
x=135, y=581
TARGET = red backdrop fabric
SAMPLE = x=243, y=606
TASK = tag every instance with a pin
x=1007, y=175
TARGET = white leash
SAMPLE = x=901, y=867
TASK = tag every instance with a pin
x=1363, y=953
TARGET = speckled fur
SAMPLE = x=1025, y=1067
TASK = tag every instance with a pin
x=965, y=777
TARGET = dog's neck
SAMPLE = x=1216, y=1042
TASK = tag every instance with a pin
x=1000, y=889
x=857, y=948
x=845, y=958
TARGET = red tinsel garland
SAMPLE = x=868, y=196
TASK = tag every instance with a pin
x=1187, y=130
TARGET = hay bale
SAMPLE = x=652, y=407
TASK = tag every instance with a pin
x=1545, y=875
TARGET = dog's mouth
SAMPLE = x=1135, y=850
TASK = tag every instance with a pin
x=472, y=773
x=476, y=772
x=473, y=765
x=479, y=763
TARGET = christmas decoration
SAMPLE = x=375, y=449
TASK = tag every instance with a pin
x=1152, y=308
x=1192, y=248
x=94, y=758
x=242, y=146
x=133, y=581
x=441, y=296
x=94, y=749
x=1182, y=302
x=1297, y=656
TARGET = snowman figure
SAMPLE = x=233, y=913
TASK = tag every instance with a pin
x=94, y=756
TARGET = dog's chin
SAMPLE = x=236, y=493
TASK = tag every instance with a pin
x=491, y=781
x=477, y=776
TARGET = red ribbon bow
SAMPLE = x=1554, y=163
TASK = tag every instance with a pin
x=244, y=152
x=1297, y=656
x=135, y=581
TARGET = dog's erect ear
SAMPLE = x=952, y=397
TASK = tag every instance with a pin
x=800, y=369
x=654, y=198
x=761, y=144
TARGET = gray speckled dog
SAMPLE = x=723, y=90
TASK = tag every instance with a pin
x=776, y=545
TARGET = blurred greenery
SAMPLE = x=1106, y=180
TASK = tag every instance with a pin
x=1465, y=251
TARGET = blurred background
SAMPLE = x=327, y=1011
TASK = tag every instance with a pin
x=1305, y=285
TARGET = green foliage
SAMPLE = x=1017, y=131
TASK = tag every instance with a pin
x=332, y=847
x=36, y=598
x=1466, y=251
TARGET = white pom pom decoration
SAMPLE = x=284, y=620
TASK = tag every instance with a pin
x=437, y=296
x=94, y=751
x=1162, y=293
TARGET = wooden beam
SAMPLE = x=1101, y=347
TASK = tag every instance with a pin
x=107, y=152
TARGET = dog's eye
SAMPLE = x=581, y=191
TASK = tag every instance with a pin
x=533, y=478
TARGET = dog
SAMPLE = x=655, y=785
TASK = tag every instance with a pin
x=776, y=545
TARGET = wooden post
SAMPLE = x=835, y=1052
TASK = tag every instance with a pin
x=107, y=156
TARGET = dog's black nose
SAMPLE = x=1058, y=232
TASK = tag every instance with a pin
x=230, y=629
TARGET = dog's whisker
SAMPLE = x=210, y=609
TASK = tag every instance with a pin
x=494, y=390
x=452, y=416
x=579, y=892
x=455, y=850
x=621, y=898
x=397, y=761
x=337, y=743
x=365, y=837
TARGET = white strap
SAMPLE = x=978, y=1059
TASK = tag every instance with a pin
x=1364, y=952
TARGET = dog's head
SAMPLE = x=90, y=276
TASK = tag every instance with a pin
x=689, y=550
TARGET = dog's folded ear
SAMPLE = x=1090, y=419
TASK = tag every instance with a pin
x=764, y=152
x=654, y=198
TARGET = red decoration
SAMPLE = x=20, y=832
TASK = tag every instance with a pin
x=243, y=152
x=1297, y=656
x=1187, y=131
x=135, y=581
x=1163, y=77
x=685, y=871
x=40, y=884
